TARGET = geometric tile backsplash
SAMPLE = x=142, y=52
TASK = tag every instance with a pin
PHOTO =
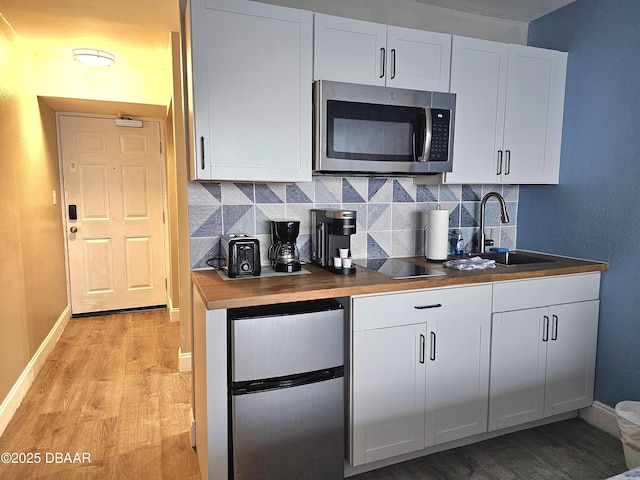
x=391, y=213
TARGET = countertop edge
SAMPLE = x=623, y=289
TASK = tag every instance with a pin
x=219, y=294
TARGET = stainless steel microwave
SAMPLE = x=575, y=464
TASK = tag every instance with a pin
x=365, y=129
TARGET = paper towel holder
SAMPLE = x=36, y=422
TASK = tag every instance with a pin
x=436, y=235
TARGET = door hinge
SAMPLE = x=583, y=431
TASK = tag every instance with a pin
x=160, y=147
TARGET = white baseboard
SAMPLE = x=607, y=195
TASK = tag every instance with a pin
x=193, y=429
x=19, y=390
x=174, y=312
x=601, y=416
x=184, y=361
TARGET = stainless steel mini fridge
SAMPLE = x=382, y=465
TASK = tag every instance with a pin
x=286, y=393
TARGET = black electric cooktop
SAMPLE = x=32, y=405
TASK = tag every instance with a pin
x=394, y=268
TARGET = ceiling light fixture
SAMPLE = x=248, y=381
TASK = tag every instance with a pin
x=93, y=58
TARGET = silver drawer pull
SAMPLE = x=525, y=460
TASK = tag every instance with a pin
x=423, y=307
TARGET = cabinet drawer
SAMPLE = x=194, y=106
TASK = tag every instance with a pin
x=380, y=311
x=539, y=292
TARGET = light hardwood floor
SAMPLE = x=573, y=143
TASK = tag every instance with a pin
x=110, y=389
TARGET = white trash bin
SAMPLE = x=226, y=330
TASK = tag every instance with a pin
x=628, y=416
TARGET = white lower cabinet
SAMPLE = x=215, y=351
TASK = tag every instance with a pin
x=543, y=358
x=420, y=370
x=434, y=366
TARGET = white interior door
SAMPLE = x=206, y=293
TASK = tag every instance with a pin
x=113, y=177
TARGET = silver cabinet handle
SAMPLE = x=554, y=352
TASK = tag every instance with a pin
x=545, y=329
x=422, y=345
x=423, y=307
x=499, y=172
x=507, y=166
x=432, y=355
x=383, y=59
x=202, y=153
x=554, y=328
x=393, y=63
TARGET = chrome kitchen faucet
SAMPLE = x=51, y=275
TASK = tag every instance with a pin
x=504, y=217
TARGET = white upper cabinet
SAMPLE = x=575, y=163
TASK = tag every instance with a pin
x=355, y=51
x=509, y=109
x=252, y=80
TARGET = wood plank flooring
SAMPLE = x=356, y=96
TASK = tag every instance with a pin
x=110, y=392
x=567, y=450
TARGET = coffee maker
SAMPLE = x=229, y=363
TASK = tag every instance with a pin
x=333, y=230
x=283, y=252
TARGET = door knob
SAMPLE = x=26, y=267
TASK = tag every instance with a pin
x=73, y=229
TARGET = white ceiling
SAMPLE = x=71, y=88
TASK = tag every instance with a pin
x=520, y=10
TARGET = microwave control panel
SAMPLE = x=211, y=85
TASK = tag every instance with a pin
x=440, y=121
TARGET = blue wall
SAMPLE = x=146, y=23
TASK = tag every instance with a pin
x=595, y=211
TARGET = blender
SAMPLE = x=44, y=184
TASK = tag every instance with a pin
x=283, y=252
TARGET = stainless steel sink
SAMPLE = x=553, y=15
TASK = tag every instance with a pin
x=515, y=258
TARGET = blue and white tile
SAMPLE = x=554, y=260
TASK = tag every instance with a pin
x=206, y=193
x=380, y=190
x=328, y=190
x=205, y=220
x=511, y=192
x=267, y=212
x=238, y=219
x=450, y=193
x=512, y=211
x=470, y=239
x=379, y=217
x=359, y=244
x=491, y=188
x=471, y=193
x=203, y=249
x=404, y=243
x=454, y=216
x=304, y=247
x=508, y=237
x=355, y=190
x=270, y=193
x=265, y=241
x=427, y=193
x=237, y=193
x=404, y=190
x=379, y=244
x=469, y=214
x=361, y=210
x=301, y=213
x=404, y=216
x=300, y=192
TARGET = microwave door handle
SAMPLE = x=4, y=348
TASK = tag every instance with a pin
x=428, y=128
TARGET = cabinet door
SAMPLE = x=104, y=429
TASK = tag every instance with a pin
x=571, y=357
x=458, y=377
x=479, y=79
x=347, y=50
x=417, y=59
x=388, y=392
x=533, y=116
x=518, y=348
x=253, y=71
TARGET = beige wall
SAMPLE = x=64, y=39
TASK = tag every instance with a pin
x=32, y=274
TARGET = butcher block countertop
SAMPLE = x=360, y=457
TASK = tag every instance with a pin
x=222, y=294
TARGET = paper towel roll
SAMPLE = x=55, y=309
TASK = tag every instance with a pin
x=437, y=236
